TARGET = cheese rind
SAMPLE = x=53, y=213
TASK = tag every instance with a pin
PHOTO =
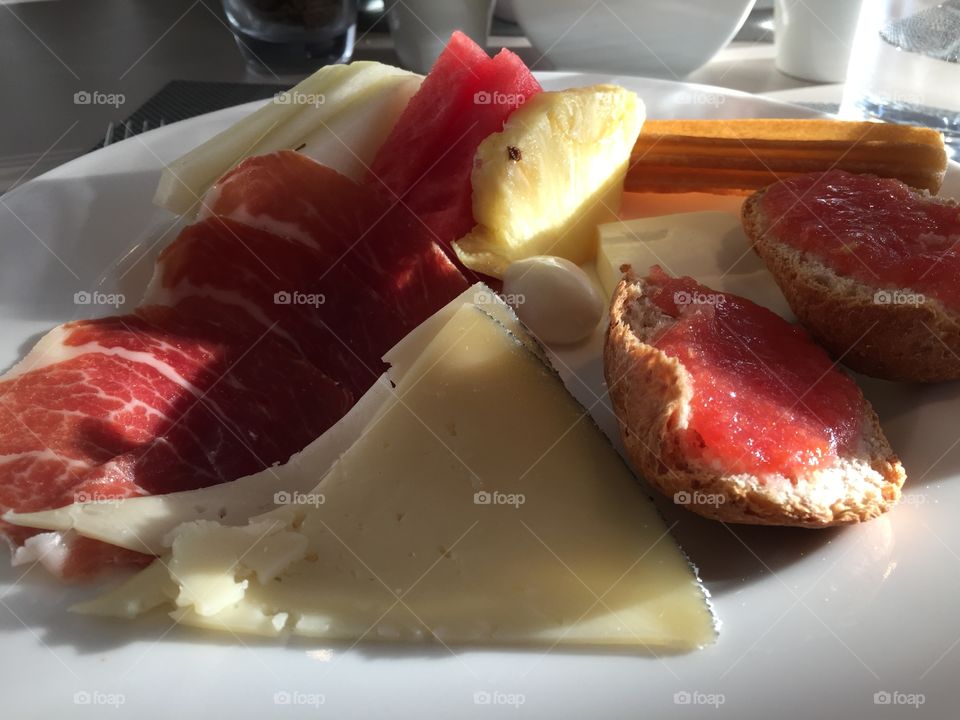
x=482, y=507
x=405, y=353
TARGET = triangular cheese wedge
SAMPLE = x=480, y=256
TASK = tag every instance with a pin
x=483, y=506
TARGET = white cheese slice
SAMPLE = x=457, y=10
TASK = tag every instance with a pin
x=143, y=523
x=215, y=563
x=348, y=141
x=148, y=589
x=482, y=507
x=300, y=117
x=711, y=247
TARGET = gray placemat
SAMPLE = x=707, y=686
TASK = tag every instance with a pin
x=183, y=99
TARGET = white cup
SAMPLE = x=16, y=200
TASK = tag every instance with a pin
x=813, y=37
x=420, y=28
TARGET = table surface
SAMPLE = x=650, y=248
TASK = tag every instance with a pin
x=51, y=50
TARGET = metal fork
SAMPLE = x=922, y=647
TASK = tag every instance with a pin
x=128, y=131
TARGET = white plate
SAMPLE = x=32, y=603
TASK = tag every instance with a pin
x=814, y=622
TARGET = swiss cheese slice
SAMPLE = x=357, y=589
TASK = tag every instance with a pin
x=709, y=246
x=481, y=507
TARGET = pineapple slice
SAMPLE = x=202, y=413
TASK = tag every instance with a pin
x=543, y=184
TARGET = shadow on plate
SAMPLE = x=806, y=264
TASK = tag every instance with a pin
x=730, y=557
x=34, y=602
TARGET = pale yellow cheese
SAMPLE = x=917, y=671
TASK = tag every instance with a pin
x=406, y=352
x=148, y=589
x=482, y=507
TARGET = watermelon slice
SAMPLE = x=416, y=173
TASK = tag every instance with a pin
x=427, y=159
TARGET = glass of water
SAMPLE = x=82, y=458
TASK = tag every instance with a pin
x=905, y=65
x=293, y=36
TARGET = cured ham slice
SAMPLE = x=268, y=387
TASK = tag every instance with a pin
x=152, y=402
x=220, y=404
x=259, y=331
x=295, y=292
x=291, y=195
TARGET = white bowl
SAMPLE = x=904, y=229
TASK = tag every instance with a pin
x=654, y=38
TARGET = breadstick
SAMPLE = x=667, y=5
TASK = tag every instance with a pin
x=741, y=156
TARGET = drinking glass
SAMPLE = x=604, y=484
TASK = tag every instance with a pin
x=904, y=65
x=293, y=36
x=813, y=37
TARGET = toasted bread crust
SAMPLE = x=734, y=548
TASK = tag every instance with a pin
x=916, y=343
x=650, y=394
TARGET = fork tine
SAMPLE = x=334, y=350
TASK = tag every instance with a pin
x=127, y=131
x=108, y=138
x=146, y=126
